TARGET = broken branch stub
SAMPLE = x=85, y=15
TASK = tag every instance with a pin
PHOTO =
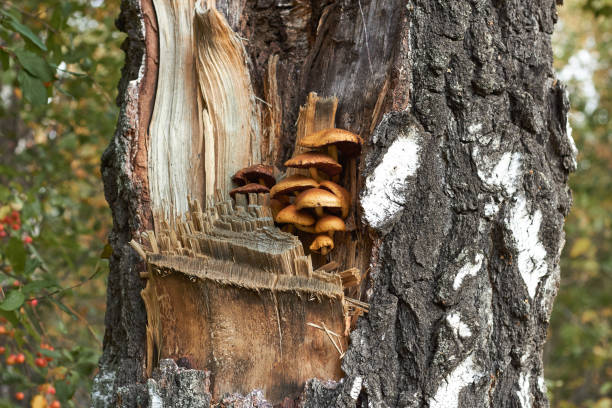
x=234, y=295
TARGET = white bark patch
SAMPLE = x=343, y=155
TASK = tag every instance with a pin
x=356, y=388
x=525, y=228
x=447, y=395
x=490, y=209
x=504, y=175
x=523, y=392
x=459, y=328
x=469, y=269
x=103, y=388
x=474, y=128
x=385, y=188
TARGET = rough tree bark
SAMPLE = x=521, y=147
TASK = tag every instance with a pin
x=462, y=186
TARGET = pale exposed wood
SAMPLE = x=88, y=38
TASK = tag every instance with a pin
x=175, y=143
x=228, y=98
x=205, y=123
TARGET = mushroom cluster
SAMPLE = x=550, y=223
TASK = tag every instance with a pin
x=316, y=204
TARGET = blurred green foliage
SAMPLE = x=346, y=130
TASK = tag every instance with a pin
x=579, y=351
x=60, y=63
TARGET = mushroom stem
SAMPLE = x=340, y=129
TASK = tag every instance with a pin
x=319, y=211
x=261, y=181
x=314, y=173
x=324, y=251
x=331, y=234
x=333, y=151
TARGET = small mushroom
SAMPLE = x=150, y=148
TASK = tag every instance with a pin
x=292, y=184
x=257, y=173
x=329, y=224
x=341, y=192
x=318, y=199
x=249, y=188
x=314, y=161
x=292, y=215
x=322, y=244
x=349, y=143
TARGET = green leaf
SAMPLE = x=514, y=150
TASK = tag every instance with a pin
x=64, y=391
x=50, y=353
x=12, y=301
x=33, y=88
x=10, y=316
x=63, y=307
x=4, y=59
x=38, y=285
x=31, y=265
x=12, y=22
x=16, y=253
x=34, y=64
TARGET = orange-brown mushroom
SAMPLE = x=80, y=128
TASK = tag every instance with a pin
x=322, y=244
x=349, y=143
x=329, y=224
x=314, y=161
x=257, y=173
x=249, y=188
x=292, y=215
x=318, y=199
x=292, y=184
x=341, y=192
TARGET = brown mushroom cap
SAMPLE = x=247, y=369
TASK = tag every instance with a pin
x=329, y=223
x=322, y=244
x=341, y=192
x=347, y=142
x=254, y=173
x=291, y=215
x=320, y=161
x=317, y=198
x=249, y=188
x=292, y=183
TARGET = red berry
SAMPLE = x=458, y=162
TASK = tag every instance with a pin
x=41, y=362
x=15, y=226
x=51, y=390
x=15, y=214
x=33, y=302
x=27, y=239
x=3, y=329
x=2, y=234
x=20, y=358
x=1, y=227
x=55, y=404
x=10, y=360
x=19, y=396
x=16, y=283
x=2, y=349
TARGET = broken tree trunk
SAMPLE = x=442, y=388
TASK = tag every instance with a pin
x=460, y=193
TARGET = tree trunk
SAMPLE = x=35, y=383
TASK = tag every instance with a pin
x=462, y=193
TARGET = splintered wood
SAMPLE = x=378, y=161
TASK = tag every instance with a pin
x=237, y=296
